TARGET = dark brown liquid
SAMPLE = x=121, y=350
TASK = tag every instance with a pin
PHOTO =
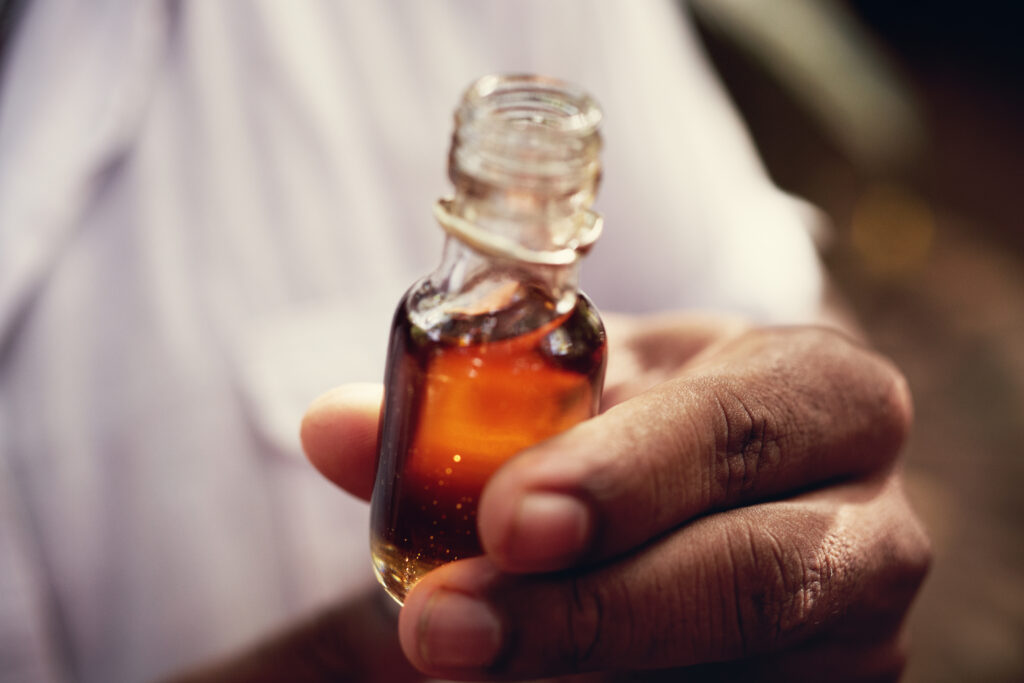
x=461, y=399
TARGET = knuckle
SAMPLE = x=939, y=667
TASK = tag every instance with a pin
x=748, y=441
x=919, y=549
x=885, y=398
x=783, y=588
x=912, y=557
x=832, y=377
x=584, y=616
x=898, y=404
x=600, y=624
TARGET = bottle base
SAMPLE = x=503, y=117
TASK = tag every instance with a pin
x=396, y=571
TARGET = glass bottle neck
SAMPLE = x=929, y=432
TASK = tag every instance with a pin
x=536, y=222
x=525, y=165
x=474, y=283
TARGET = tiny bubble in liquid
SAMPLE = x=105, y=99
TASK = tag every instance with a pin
x=457, y=458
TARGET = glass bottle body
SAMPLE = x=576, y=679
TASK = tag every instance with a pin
x=463, y=396
x=497, y=349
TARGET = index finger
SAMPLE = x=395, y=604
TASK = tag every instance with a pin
x=774, y=412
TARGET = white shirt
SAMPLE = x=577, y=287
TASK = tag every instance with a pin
x=208, y=211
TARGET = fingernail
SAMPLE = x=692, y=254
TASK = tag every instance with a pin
x=457, y=631
x=549, y=530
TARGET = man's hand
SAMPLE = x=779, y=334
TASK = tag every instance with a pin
x=737, y=510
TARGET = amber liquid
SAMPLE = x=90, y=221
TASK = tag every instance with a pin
x=460, y=399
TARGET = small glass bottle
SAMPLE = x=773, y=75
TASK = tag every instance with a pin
x=497, y=349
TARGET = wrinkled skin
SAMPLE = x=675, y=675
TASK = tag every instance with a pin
x=735, y=513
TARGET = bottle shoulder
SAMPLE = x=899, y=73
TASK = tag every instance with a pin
x=503, y=312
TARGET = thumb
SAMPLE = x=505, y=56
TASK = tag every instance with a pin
x=339, y=436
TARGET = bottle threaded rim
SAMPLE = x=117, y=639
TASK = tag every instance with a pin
x=527, y=131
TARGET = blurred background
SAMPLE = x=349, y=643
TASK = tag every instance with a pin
x=902, y=122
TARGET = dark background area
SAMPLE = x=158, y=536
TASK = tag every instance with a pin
x=953, y=316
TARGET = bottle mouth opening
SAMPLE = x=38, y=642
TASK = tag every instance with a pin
x=528, y=102
x=527, y=131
